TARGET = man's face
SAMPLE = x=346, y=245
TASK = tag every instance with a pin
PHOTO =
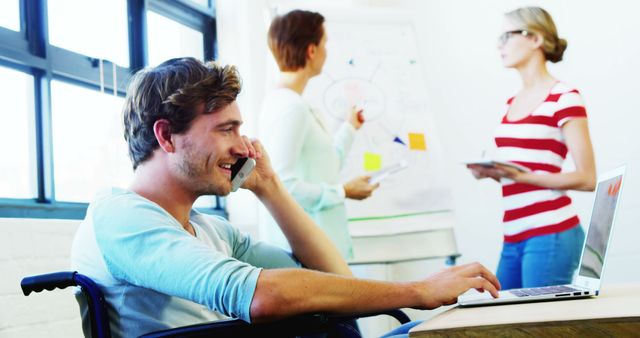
x=204, y=154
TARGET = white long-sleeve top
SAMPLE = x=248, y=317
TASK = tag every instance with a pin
x=308, y=160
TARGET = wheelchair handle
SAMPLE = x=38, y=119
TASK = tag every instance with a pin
x=48, y=281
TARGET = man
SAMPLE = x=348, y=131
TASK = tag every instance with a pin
x=161, y=264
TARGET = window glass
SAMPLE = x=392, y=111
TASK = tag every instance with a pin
x=17, y=167
x=10, y=14
x=88, y=144
x=203, y=3
x=103, y=33
x=169, y=39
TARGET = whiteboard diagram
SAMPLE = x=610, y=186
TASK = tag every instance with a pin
x=375, y=66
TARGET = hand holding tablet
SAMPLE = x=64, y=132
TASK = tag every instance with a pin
x=487, y=163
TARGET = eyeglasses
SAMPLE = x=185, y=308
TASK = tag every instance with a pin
x=504, y=37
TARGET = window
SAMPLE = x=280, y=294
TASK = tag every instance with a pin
x=63, y=70
x=17, y=177
x=203, y=3
x=169, y=39
x=88, y=147
x=104, y=28
x=10, y=14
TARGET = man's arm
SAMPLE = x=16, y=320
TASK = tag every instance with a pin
x=285, y=292
x=308, y=242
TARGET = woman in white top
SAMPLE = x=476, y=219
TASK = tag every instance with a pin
x=303, y=152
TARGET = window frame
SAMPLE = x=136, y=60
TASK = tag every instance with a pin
x=29, y=51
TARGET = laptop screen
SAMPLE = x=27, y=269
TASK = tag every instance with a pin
x=597, y=239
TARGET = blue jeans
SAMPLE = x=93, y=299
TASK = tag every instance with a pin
x=401, y=331
x=541, y=260
x=350, y=329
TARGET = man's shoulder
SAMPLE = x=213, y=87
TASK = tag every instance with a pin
x=112, y=195
x=218, y=224
x=116, y=206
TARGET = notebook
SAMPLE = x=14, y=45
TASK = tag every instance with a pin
x=586, y=283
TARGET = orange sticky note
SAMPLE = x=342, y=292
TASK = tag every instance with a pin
x=417, y=141
x=372, y=162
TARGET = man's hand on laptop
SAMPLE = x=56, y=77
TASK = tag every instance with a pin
x=444, y=287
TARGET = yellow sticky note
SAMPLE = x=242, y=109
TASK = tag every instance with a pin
x=372, y=161
x=417, y=141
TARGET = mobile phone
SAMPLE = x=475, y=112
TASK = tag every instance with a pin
x=240, y=171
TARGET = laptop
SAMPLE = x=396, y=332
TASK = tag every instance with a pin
x=586, y=283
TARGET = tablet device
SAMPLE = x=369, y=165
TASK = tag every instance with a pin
x=383, y=173
x=492, y=163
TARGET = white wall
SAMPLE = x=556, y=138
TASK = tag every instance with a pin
x=467, y=88
x=31, y=247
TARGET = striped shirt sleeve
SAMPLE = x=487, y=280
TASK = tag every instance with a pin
x=570, y=106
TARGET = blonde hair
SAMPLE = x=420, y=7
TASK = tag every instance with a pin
x=537, y=20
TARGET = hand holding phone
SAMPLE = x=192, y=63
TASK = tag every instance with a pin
x=240, y=171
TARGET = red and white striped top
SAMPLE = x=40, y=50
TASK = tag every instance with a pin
x=536, y=142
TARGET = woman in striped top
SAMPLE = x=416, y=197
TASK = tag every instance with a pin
x=544, y=122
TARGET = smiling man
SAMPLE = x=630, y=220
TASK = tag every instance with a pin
x=162, y=264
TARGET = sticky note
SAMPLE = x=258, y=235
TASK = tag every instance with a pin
x=417, y=142
x=372, y=161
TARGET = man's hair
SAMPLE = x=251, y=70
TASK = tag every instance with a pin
x=173, y=91
x=291, y=34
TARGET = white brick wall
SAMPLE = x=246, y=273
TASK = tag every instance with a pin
x=30, y=247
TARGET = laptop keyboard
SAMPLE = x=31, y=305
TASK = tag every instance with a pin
x=545, y=290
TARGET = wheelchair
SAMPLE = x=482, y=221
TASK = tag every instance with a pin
x=306, y=325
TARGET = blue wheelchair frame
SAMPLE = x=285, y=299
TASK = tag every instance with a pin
x=306, y=324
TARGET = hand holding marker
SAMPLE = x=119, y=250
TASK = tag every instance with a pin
x=360, y=114
x=356, y=117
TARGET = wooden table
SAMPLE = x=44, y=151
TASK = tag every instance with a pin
x=615, y=313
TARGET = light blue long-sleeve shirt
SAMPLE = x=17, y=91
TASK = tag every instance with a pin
x=308, y=160
x=155, y=275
